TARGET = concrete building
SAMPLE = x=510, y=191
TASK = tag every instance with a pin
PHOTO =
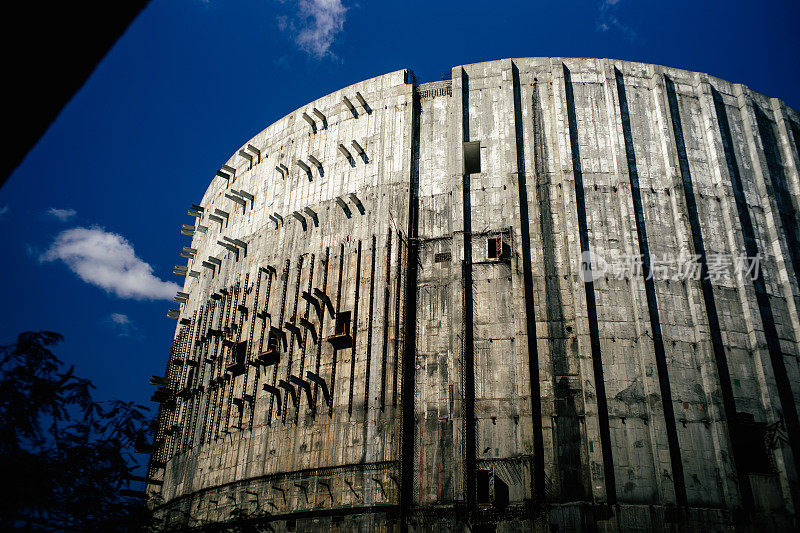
x=552, y=294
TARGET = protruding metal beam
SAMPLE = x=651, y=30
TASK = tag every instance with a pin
x=255, y=150
x=363, y=102
x=318, y=380
x=194, y=273
x=358, y=148
x=306, y=168
x=236, y=242
x=198, y=208
x=314, y=303
x=357, y=202
x=304, y=385
x=350, y=105
x=230, y=170
x=310, y=121
x=301, y=218
x=345, y=152
x=285, y=385
x=295, y=332
x=215, y=218
x=221, y=213
x=321, y=117
x=313, y=214
x=316, y=162
x=275, y=391
x=325, y=299
x=310, y=327
x=229, y=247
x=343, y=205
x=212, y=259
x=236, y=199
x=223, y=175
x=280, y=171
x=201, y=228
x=246, y=195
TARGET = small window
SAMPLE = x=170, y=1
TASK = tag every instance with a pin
x=495, y=247
x=343, y=323
x=472, y=157
x=241, y=352
x=272, y=342
x=442, y=257
x=750, y=439
x=483, y=477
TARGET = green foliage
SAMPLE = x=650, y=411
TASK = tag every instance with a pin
x=64, y=458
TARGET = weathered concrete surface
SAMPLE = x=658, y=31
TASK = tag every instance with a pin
x=532, y=398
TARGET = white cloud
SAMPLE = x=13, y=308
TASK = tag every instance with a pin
x=319, y=21
x=122, y=324
x=119, y=318
x=108, y=261
x=608, y=20
x=62, y=214
x=3, y=210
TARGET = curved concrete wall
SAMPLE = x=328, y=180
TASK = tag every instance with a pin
x=483, y=374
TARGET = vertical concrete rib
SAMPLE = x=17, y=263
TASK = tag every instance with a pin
x=780, y=191
x=410, y=325
x=705, y=284
x=652, y=303
x=538, y=481
x=338, y=308
x=291, y=337
x=397, y=297
x=320, y=340
x=591, y=304
x=762, y=297
x=370, y=314
x=385, y=344
x=355, y=330
x=468, y=355
x=282, y=315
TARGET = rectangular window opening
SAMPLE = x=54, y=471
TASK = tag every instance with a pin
x=482, y=478
x=472, y=157
x=343, y=323
x=751, y=440
x=495, y=247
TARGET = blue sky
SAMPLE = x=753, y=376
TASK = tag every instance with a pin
x=89, y=223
